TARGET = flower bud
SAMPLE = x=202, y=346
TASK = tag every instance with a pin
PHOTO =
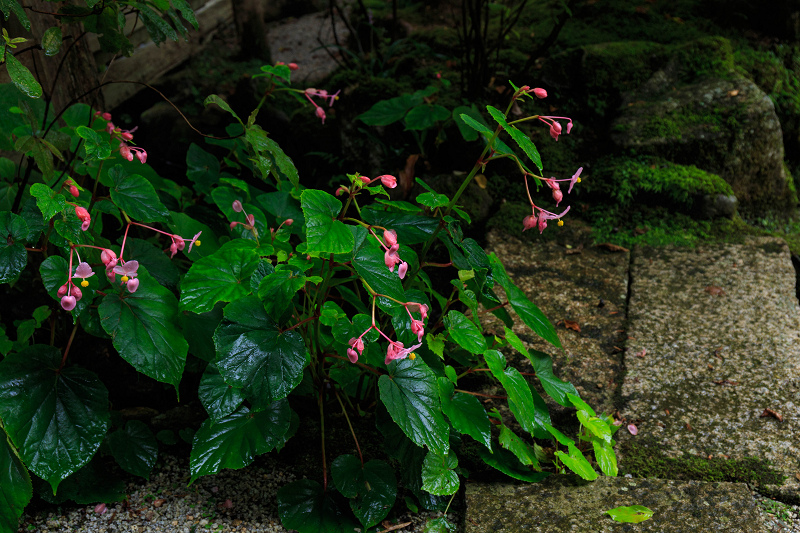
x=133, y=284
x=110, y=274
x=558, y=196
x=73, y=190
x=233, y=224
x=390, y=237
x=540, y=93
x=388, y=181
x=401, y=271
x=341, y=190
x=320, y=114
x=62, y=290
x=141, y=155
x=68, y=303
x=179, y=243
x=529, y=222
x=108, y=257
x=76, y=292
x=126, y=135
x=251, y=219
x=106, y=116
x=173, y=249
x=292, y=66
x=352, y=355
x=288, y=222
x=237, y=206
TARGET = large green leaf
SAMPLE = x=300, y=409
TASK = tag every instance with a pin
x=633, y=514
x=304, y=506
x=522, y=140
x=56, y=418
x=605, y=456
x=465, y=412
x=411, y=229
x=371, y=487
x=219, y=277
x=135, y=448
x=47, y=200
x=202, y=168
x=425, y=116
x=143, y=328
x=253, y=352
x=556, y=388
x=236, y=440
x=507, y=463
x=136, y=196
x=438, y=473
x=575, y=461
x=370, y=265
x=218, y=398
x=411, y=396
x=277, y=289
x=388, y=111
x=525, y=403
x=51, y=41
x=282, y=205
x=13, y=256
x=15, y=485
x=158, y=264
x=22, y=77
x=511, y=442
x=527, y=311
x=465, y=333
x=324, y=233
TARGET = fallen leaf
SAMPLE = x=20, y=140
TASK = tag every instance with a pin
x=642, y=353
x=569, y=324
x=159, y=502
x=797, y=475
x=666, y=411
x=773, y=414
x=713, y=290
x=733, y=92
x=480, y=179
x=689, y=426
x=633, y=430
x=612, y=247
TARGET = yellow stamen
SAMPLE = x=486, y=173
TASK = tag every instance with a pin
x=412, y=356
x=197, y=243
x=560, y=222
x=578, y=180
x=125, y=279
x=84, y=283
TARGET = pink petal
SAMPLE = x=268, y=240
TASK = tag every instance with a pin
x=633, y=429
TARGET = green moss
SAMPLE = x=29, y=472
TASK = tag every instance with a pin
x=646, y=462
x=710, y=56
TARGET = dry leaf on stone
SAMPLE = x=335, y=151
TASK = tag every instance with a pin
x=733, y=92
x=713, y=290
x=612, y=247
x=773, y=414
x=569, y=324
x=633, y=429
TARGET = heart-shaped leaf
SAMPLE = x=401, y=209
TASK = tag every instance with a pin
x=370, y=265
x=438, y=474
x=324, y=233
x=135, y=448
x=15, y=490
x=220, y=277
x=276, y=290
x=371, y=487
x=411, y=396
x=253, y=353
x=47, y=200
x=218, y=398
x=56, y=418
x=136, y=196
x=235, y=441
x=143, y=328
x=633, y=514
x=304, y=506
x=13, y=256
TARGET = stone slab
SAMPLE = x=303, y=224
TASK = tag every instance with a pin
x=562, y=504
x=570, y=280
x=714, y=340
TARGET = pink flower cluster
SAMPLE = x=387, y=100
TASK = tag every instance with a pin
x=124, y=137
x=386, y=180
x=543, y=216
x=396, y=349
x=310, y=93
x=391, y=256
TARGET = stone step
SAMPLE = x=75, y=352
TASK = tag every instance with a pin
x=562, y=504
x=713, y=355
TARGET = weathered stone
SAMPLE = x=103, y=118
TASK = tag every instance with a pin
x=566, y=503
x=719, y=330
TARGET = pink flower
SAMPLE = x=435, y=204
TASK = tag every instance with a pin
x=555, y=129
x=125, y=151
x=558, y=196
x=133, y=284
x=84, y=217
x=633, y=430
x=341, y=190
x=68, y=303
x=128, y=269
x=62, y=290
x=540, y=93
x=100, y=508
x=419, y=308
x=320, y=113
x=110, y=127
x=108, y=257
x=418, y=329
x=292, y=66
x=388, y=181
x=356, y=348
x=141, y=155
x=401, y=271
x=391, y=257
x=390, y=237
x=529, y=222
x=237, y=206
x=84, y=271
x=576, y=178
x=288, y=221
x=195, y=241
x=397, y=351
x=73, y=190
x=76, y=292
x=544, y=216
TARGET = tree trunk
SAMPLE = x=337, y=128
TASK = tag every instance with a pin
x=248, y=16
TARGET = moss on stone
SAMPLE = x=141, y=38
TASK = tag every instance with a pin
x=647, y=462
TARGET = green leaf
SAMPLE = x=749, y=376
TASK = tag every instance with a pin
x=236, y=440
x=477, y=125
x=202, y=169
x=438, y=475
x=511, y=442
x=468, y=132
x=633, y=514
x=158, y=264
x=576, y=462
x=527, y=406
x=47, y=200
x=13, y=6
x=527, y=311
x=371, y=488
x=282, y=205
x=411, y=229
x=56, y=418
x=439, y=525
x=433, y=200
x=282, y=161
x=219, y=277
x=411, y=396
x=324, y=233
x=142, y=327
x=425, y=116
x=15, y=490
x=51, y=41
x=465, y=332
x=95, y=146
x=91, y=484
x=214, y=99
x=580, y=405
x=507, y=463
x=465, y=413
x=370, y=265
x=13, y=256
x=522, y=140
x=187, y=227
x=388, y=111
x=218, y=398
x=253, y=352
x=556, y=388
x=304, y=506
x=136, y=196
x=135, y=448
x=605, y=456
x=276, y=290
x=22, y=77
